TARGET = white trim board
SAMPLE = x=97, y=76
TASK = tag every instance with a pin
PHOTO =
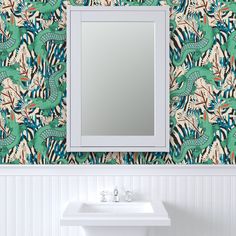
x=118, y=170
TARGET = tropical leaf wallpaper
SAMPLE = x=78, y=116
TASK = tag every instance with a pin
x=33, y=83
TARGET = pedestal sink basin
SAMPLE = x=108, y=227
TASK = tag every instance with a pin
x=116, y=219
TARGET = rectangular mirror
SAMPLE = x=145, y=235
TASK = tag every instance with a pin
x=119, y=64
x=118, y=79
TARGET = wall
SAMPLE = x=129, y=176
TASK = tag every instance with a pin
x=33, y=97
x=200, y=200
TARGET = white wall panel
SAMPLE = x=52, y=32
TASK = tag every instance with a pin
x=30, y=205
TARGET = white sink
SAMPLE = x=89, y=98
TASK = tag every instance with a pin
x=110, y=217
x=116, y=208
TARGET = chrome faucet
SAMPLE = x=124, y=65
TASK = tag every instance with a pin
x=116, y=195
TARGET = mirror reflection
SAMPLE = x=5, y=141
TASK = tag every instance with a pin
x=117, y=78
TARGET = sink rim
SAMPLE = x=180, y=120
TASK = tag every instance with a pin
x=72, y=217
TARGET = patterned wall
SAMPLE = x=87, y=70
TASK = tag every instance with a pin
x=33, y=87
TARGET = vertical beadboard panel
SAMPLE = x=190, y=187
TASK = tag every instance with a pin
x=28, y=207
x=3, y=208
x=100, y=185
x=45, y=195
x=216, y=204
x=92, y=188
x=37, y=211
x=137, y=188
x=64, y=193
x=145, y=188
x=56, y=205
x=11, y=206
x=197, y=205
x=83, y=188
x=233, y=205
x=20, y=205
x=226, y=203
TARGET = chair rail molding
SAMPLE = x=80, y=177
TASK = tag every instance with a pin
x=125, y=170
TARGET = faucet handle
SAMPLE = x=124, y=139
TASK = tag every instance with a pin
x=128, y=196
x=103, y=196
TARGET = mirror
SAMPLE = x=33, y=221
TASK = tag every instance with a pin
x=112, y=66
x=118, y=79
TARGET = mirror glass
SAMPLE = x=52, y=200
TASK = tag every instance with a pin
x=117, y=78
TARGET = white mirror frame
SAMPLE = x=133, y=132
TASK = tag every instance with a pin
x=159, y=142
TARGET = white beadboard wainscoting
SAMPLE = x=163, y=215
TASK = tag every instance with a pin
x=200, y=200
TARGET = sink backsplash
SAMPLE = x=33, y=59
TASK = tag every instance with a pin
x=204, y=112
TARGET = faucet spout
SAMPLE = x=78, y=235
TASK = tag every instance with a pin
x=116, y=195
